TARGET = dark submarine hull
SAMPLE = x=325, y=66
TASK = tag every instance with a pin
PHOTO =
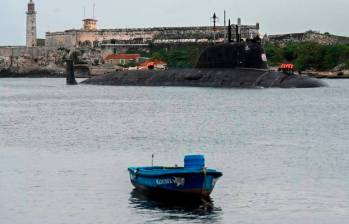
x=229, y=65
x=208, y=77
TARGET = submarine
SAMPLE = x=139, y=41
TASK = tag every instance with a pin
x=235, y=64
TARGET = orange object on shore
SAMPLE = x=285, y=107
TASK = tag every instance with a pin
x=287, y=66
x=151, y=64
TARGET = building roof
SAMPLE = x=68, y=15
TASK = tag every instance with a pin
x=123, y=56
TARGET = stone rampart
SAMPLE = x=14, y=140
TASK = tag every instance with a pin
x=19, y=51
x=75, y=38
x=61, y=39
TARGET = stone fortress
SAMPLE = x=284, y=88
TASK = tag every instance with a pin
x=93, y=37
x=111, y=41
x=47, y=55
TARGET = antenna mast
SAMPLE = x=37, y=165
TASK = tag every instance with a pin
x=94, y=8
x=225, y=27
x=214, y=19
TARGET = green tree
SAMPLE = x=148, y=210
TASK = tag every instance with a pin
x=274, y=54
x=289, y=52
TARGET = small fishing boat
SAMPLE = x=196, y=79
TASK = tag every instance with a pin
x=194, y=179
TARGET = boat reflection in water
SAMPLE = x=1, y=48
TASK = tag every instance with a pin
x=173, y=207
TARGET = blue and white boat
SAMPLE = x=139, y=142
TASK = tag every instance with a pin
x=193, y=179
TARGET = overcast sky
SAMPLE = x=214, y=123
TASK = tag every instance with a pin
x=275, y=16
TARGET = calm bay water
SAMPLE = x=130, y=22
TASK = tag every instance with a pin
x=64, y=152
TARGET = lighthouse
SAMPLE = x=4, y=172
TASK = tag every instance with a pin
x=31, y=25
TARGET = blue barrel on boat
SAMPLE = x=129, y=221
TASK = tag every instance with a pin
x=194, y=162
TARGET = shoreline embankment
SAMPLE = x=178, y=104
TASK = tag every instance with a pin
x=32, y=74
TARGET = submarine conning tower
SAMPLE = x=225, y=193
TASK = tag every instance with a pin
x=248, y=54
x=234, y=54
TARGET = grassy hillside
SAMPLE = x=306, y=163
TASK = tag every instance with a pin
x=309, y=55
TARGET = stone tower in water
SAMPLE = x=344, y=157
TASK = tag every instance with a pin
x=31, y=25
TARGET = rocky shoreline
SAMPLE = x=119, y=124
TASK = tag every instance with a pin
x=328, y=74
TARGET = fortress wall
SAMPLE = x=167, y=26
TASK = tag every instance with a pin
x=21, y=51
x=73, y=38
x=309, y=36
x=122, y=35
x=195, y=34
x=6, y=51
x=320, y=38
x=66, y=39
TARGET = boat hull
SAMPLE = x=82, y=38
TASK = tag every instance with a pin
x=193, y=183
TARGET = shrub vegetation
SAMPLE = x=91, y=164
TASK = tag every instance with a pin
x=306, y=55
